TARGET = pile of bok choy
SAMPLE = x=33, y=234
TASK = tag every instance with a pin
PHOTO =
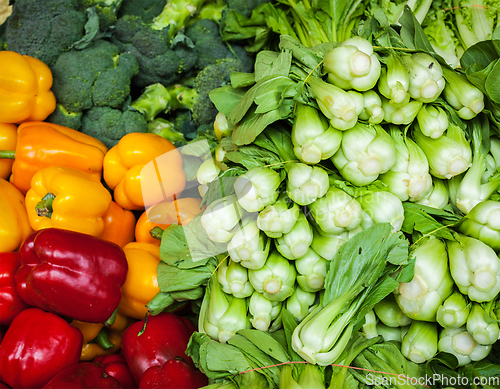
x=352, y=215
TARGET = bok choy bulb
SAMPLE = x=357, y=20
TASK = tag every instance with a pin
x=483, y=332
x=372, y=108
x=221, y=218
x=207, y=172
x=223, y=315
x=311, y=271
x=262, y=311
x=470, y=191
x=402, y=115
x=394, y=81
x=389, y=313
x=483, y=223
x=335, y=103
x=409, y=178
x=299, y=303
x=366, y=151
x=426, y=77
x=448, y=155
x=420, y=298
x=437, y=197
x=391, y=333
x=312, y=136
x=475, y=267
x=459, y=342
x=432, y=121
x=312, y=377
x=462, y=95
x=257, y=188
x=420, y=342
x=222, y=127
x=249, y=246
x=454, y=311
x=369, y=329
x=327, y=245
x=306, y=183
x=295, y=243
x=381, y=207
x=492, y=159
x=276, y=279
x=234, y=279
x=279, y=218
x=336, y=212
x=352, y=65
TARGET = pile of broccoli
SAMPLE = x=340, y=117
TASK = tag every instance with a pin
x=105, y=53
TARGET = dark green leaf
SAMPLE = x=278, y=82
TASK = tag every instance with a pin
x=266, y=343
x=482, y=53
x=493, y=84
x=412, y=33
x=91, y=30
x=418, y=218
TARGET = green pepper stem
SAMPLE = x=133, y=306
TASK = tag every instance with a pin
x=102, y=340
x=156, y=233
x=112, y=318
x=44, y=207
x=7, y=154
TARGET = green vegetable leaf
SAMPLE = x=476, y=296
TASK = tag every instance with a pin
x=266, y=343
x=226, y=98
x=420, y=218
x=174, y=279
x=412, y=33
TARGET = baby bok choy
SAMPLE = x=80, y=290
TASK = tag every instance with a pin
x=454, y=311
x=461, y=344
x=358, y=278
x=278, y=218
x=483, y=223
x=420, y=342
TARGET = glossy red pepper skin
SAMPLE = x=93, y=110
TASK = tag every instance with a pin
x=10, y=302
x=166, y=337
x=36, y=347
x=4, y=386
x=174, y=374
x=116, y=366
x=83, y=375
x=72, y=274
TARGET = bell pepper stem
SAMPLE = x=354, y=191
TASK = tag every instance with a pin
x=7, y=154
x=102, y=340
x=156, y=233
x=112, y=318
x=144, y=326
x=44, y=207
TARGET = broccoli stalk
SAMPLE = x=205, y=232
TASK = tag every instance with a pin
x=175, y=14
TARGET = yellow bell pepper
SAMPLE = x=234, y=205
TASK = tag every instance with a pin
x=67, y=198
x=95, y=335
x=8, y=140
x=25, y=84
x=141, y=284
x=14, y=223
x=162, y=178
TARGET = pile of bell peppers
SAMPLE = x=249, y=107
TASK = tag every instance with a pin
x=79, y=248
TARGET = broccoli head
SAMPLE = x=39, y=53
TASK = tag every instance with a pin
x=97, y=75
x=212, y=77
x=110, y=125
x=106, y=11
x=44, y=29
x=65, y=118
x=145, y=9
x=161, y=59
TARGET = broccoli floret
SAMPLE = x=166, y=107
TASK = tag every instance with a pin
x=65, y=118
x=44, y=29
x=97, y=75
x=212, y=77
x=106, y=11
x=159, y=61
x=208, y=43
x=110, y=125
x=145, y=9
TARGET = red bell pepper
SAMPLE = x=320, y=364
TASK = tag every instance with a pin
x=10, y=302
x=166, y=337
x=116, y=366
x=174, y=374
x=4, y=386
x=37, y=346
x=71, y=274
x=82, y=376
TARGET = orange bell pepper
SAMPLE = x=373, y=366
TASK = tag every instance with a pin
x=62, y=197
x=163, y=214
x=119, y=225
x=141, y=284
x=25, y=84
x=14, y=223
x=8, y=139
x=40, y=145
x=162, y=178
